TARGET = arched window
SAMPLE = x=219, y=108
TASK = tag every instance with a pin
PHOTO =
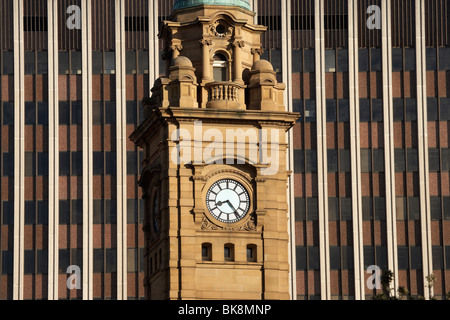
x=228, y=252
x=206, y=252
x=220, y=67
x=251, y=253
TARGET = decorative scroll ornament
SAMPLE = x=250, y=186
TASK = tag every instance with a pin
x=221, y=29
x=250, y=225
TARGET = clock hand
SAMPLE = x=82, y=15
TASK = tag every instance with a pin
x=228, y=201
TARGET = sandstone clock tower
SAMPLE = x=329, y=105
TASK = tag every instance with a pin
x=214, y=177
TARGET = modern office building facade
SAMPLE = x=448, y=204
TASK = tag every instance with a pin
x=369, y=156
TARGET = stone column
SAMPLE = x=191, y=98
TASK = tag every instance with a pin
x=238, y=45
x=257, y=53
x=206, y=64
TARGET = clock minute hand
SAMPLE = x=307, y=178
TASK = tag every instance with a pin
x=228, y=201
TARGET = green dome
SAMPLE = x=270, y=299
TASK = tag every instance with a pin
x=181, y=4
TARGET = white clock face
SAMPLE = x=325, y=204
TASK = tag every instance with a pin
x=228, y=201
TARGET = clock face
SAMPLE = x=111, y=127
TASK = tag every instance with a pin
x=228, y=201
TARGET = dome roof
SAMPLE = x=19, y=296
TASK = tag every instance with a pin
x=181, y=4
x=181, y=61
x=262, y=65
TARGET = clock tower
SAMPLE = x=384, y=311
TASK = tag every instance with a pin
x=214, y=177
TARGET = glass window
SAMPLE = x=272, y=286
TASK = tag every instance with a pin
x=77, y=163
x=313, y=253
x=346, y=209
x=97, y=62
x=131, y=260
x=414, y=208
x=397, y=59
x=411, y=109
x=399, y=155
x=312, y=208
x=447, y=257
x=30, y=67
x=110, y=112
x=375, y=59
x=342, y=60
x=275, y=59
x=42, y=163
x=335, y=258
x=367, y=208
x=8, y=113
x=98, y=260
x=132, y=212
x=433, y=159
x=347, y=258
x=413, y=160
x=30, y=113
x=438, y=258
x=111, y=211
x=111, y=260
x=8, y=62
x=131, y=62
x=63, y=61
x=343, y=111
x=29, y=262
x=333, y=209
x=64, y=113
x=143, y=62
x=131, y=162
x=364, y=110
x=8, y=212
x=310, y=60
x=64, y=260
x=445, y=109
x=366, y=160
x=97, y=112
x=445, y=159
x=98, y=211
x=330, y=61
x=410, y=59
x=42, y=113
x=416, y=257
x=435, y=208
x=363, y=60
x=64, y=163
x=297, y=61
x=344, y=160
x=431, y=59
x=444, y=58
x=77, y=112
x=30, y=164
x=332, y=159
x=446, y=207
x=228, y=253
x=300, y=209
x=300, y=256
x=400, y=208
x=42, y=62
x=398, y=109
x=42, y=261
x=76, y=63
x=42, y=212
x=403, y=257
x=110, y=163
x=132, y=112
x=64, y=212
x=378, y=160
x=380, y=208
x=331, y=110
x=369, y=256
x=310, y=111
x=299, y=161
x=381, y=253
x=30, y=212
x=98, y=162
x=377, y=110
x=432, y=112
x=110, y=62
x=8, y=164
x=311, y=161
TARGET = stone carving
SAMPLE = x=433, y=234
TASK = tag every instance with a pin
x=250, y=225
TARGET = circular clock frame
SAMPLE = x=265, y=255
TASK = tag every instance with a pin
x=228, y=201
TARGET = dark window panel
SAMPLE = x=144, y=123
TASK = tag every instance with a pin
x=331, y=110
x=369, y=256
x=131, y=162
x=344, y=160
x=42, y=62
x=77, y=211
x=64, y=211
x=398, y=109
x=64, y=163
x=110, y=163
x=97, y=62
x=8, y=212
x=311, y=161
x=332, y=159
x=399, y=160
x=366, y=160
x=297, y=106
x=335, y=258
x=444, y=58
x=77, y=112
x=400, y=205
x=30, y=113
x=111, y=260
x=410, y=59
x=143, y=60
x=438, y=258
x=275, y=59
x=413, y=160
x=300, y=258
x=8, y=62
x=414, y=208
x=97, y=112
x=403, y=257
x=416, y=257
x=446, y=204
x=42, y=261
x=42, y=113
x=310, y=111
x=313, y=253
x=132, y=211
x=131, y=112
x=8, y=113
x=42, y=212
x=431, y=59
x=132, y=259
x=30, y=67
x=8, y=164
x=378, y=160
x=367, y=208
x=30, y=164
x=364, y=110
x=333, y=209
x=98, y=162
x=42, y=164
x=433, y=159
x=297, y=61
x=77, y=257
x=76, y=63
x=377, y=110
x=111, y=211
x=397, y=59
x=363, y=60
x=346, y=209
x=344, y=115
x=447, y=257
x=77, y=163
x=63, y=61
x=376, y=59
x=29, y=262
x=64, y=260
x=98, y=260
x=330, y=60
x=110, y=112
x=342, y=55
x=64, y=112
x=432, y=112
x=411, y=109
x=98, y=206
x=435, y=208
x=445, y=159
x=445, y=109
x=312, y=209
x=380, y=208
x=300, y=209
x=299, y=161
x=381, y=253
x=347, y=258
x=310, y=60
